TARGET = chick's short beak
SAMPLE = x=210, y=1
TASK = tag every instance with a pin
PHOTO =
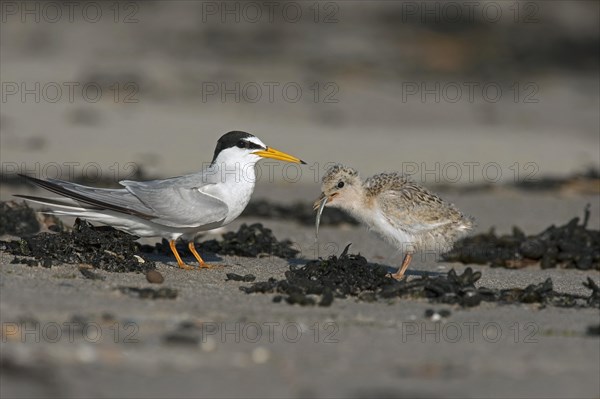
x=322, y=198
x=276, y=154
x=318, y=202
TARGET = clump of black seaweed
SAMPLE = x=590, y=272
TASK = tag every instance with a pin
x=572, y=245
x=301, y=212
x=17, y=219
x=102, y=247
x=586, y=181
x=238, y=277
x=112, y=250
x=320, y=281
x=249, y=241
x=149, y=293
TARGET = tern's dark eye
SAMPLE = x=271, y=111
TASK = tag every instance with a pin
x=242, y=144
x=340, y=184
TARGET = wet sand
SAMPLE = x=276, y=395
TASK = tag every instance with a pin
x=215, y=341
x=67, y=336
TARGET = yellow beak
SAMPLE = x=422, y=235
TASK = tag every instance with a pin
x=276, y=154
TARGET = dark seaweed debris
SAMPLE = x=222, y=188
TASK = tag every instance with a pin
x=102, y=247
x=584, y=182
x=587, y=180
x=185, y=333
x=25, y=261
x=237, y=277
x=17, y=219
x=301, y=212
x=90, y=274
x=593, y=330
x=437, y=314
x=149, y=293
x=249, y=241
x=112, y=250
x=572, y=245
x=594, y=299
x=320, y=281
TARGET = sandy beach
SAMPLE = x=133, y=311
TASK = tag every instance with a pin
x=457, y=106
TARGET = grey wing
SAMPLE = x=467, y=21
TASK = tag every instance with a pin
x=178, y=205
x=168, y=202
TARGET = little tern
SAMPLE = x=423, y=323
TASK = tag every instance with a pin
x=178, y=207
x=403, y=213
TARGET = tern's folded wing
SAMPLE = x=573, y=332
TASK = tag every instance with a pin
x=166, y=204
x=178, y=206
x=96, y=198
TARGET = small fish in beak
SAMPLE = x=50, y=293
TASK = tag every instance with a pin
x=320, y=205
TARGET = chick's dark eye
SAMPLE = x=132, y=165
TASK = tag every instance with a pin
x=340, y=184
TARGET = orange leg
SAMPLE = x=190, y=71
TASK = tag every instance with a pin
x=399, y=275
x=179, y=261
x=192, y=249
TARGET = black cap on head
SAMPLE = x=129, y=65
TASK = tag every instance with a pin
x=229, y=140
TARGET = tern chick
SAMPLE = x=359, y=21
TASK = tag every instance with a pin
x=181, y=206
x=403, y=213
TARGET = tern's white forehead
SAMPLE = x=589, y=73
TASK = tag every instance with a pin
x=255, y=140
x=236, y=141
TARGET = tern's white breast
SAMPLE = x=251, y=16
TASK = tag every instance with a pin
x=234, y=188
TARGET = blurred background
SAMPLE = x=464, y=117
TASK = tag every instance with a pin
x=451, y=92
x=495, y=104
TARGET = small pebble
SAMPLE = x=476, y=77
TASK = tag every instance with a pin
x=107, y=317
x=261, y=355
x=154, y=277
x=437, y=315
x=86, y=354
x=208, y=344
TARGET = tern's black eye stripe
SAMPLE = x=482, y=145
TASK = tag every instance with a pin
x=249, y=145
x=236, y=139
